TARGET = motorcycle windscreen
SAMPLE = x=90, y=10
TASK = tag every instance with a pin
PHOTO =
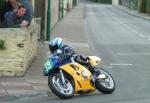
x=49, y=65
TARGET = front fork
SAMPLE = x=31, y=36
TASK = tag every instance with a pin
x=96, y=73
x=62, y=76
x=94, y=70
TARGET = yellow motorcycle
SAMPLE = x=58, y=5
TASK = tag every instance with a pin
x=67, y=78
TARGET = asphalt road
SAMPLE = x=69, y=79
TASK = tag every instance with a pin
x=123, y=42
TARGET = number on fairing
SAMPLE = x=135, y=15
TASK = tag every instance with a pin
x=48, y=66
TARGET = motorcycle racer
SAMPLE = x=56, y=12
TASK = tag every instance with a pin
x=57, y=48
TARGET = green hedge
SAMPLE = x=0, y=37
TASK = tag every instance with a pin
x=1, y=6
x=134, y=4
x=142, y=6
x=1, y=3
x=94, y=0
x=105, y=1
x=148, y=6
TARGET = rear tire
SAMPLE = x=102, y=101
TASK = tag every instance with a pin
x=60, y=90
x=106, y=86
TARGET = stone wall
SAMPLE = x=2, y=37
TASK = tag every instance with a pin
x=20, y=47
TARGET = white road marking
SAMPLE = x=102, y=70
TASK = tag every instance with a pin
x=129, y=27
x=141, y=35
x=122, y=64
x=76, y=44
x=110, y=67
x=127, y=54
x=133, y=30
x=148, y=39
x=124, y=24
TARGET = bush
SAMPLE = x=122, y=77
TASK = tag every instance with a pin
x=2, y=44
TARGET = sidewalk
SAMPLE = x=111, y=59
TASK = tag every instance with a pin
x=134, y=12
x=71, y=29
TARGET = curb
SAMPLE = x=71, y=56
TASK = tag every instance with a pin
x=23, y=97
x=24, y=88
x=130, y=12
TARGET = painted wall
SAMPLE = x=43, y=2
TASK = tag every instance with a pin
x=40, y=7
x=115, y=2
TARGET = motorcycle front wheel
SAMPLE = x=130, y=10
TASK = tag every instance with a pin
x=105, y=82
x=60, y=89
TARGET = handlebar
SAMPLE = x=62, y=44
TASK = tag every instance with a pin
x=72, y=60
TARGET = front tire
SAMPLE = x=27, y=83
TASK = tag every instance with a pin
x=64, y=91
x=105, y=85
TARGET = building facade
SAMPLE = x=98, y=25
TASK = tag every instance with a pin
x=59, y=8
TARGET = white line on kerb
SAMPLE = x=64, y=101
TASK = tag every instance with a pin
x=134, y=30
x=132, y=54
x=148, y=39
x=141, y=35
x=113, y=64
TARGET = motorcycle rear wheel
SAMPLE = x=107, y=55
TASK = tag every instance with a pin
x=105, y=85
x=64, y=91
